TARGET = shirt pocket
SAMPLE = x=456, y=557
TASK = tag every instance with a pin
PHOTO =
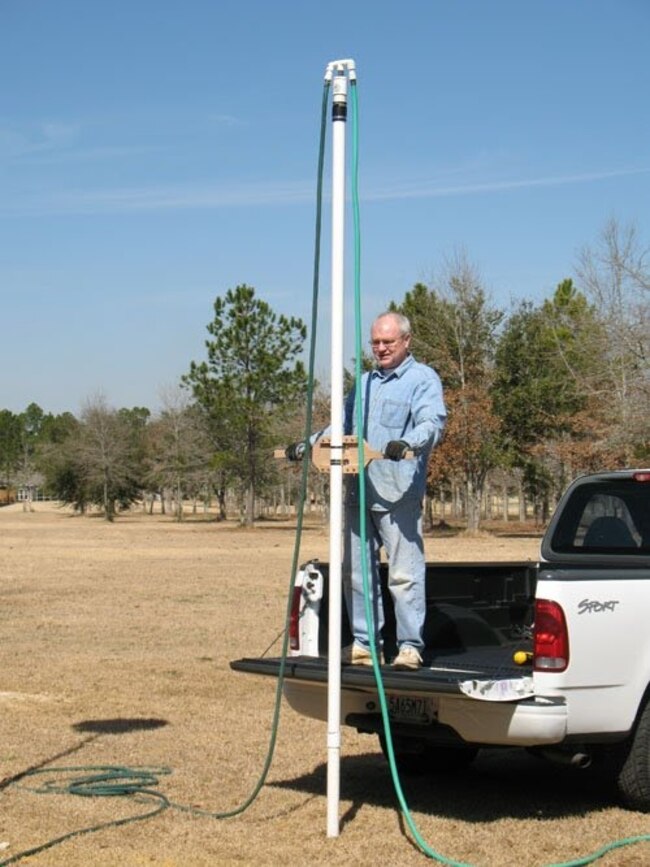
x=394, y=414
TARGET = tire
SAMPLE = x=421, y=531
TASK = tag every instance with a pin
x=632, y=768
x=419, y=757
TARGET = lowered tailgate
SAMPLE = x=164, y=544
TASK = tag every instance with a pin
x=443, y=673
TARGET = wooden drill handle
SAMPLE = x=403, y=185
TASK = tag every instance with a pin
x=322, y=457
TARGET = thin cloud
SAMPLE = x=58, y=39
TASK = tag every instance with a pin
x=174, y=198
x=226, y=120
x=46, y=137
x=424, y=190
x=94, y=154
x=56, y=141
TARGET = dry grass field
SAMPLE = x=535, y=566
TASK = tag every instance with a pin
x=114, y=649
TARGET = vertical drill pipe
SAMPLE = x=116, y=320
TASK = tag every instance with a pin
x=339, y=107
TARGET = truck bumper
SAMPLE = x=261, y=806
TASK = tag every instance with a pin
x=529, y=722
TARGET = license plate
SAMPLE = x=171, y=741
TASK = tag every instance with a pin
x=414, y=709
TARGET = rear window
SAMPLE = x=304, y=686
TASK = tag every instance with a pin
x=605, y=517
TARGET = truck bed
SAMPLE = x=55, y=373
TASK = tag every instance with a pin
x=478, y=615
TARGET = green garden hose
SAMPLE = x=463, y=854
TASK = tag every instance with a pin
x=103, y=781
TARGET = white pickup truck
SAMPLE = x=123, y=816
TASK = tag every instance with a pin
x=552, y=656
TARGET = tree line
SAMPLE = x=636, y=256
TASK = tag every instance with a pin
x=536, y=395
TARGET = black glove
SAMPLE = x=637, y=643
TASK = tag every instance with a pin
x=396, y=449
x=294, y=452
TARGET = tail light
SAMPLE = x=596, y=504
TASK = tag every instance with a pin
x=294, y=617
x=305, y=609
x=550, y=637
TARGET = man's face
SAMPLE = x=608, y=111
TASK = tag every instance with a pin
x=389, y=346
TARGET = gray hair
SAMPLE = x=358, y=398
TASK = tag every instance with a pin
x=403, y=321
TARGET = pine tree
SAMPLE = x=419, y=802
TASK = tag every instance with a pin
x=251, y=377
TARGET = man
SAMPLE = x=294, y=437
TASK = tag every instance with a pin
x=402, y=410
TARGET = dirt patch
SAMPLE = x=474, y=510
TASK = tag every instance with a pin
x=114, y=649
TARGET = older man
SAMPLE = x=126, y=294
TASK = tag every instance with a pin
x=402, y=410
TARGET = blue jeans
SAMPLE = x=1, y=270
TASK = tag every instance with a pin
x=400, y=533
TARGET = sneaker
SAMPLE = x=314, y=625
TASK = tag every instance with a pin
x=408, y=659
x=354, y=654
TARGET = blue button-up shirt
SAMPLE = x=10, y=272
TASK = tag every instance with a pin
x=404, y=403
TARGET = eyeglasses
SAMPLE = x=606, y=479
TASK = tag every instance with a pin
x=387, y=343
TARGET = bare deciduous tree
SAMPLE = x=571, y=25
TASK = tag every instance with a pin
x=181, y=451
x=100, y=459
x=455, y=328
x=615, y=276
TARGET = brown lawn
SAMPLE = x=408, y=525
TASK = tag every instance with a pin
x=114, y=649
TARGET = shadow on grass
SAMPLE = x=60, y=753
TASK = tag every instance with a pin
x=119, y=725
x=501, y=784
x=8, y=781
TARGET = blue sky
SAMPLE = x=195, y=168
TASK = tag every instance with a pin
x=154, y=153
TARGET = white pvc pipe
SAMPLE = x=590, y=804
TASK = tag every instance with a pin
x=340, y=65
x=339, y=94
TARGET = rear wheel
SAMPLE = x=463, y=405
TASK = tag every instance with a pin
x=632, y=765
x=418, y=756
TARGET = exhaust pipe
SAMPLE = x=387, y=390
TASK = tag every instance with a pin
x=578, y=760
